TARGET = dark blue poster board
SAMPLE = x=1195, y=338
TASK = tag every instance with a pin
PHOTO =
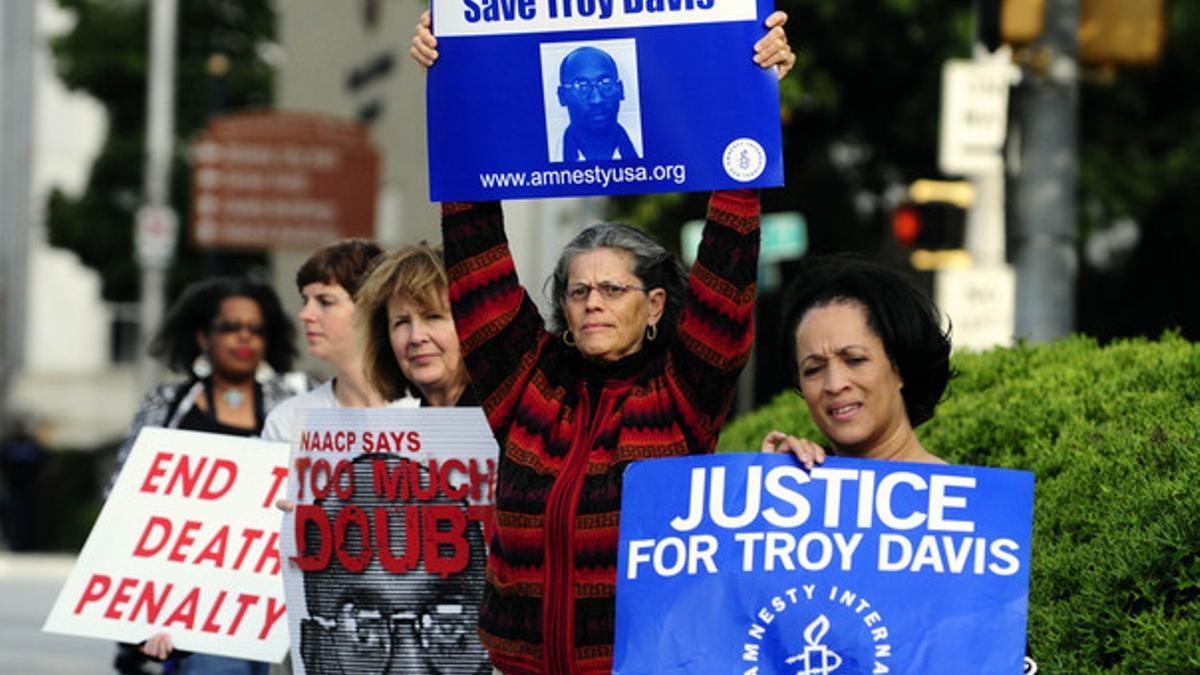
x=746, y=563
x=555, y=98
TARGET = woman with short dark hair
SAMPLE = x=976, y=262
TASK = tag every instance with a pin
x=328, y=282
x=869, y=357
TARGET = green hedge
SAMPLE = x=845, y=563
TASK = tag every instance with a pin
x=1113, y=435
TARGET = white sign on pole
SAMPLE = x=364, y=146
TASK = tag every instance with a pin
x=974, y=114
x=187, y=544
x=154, y=239
x=980, y=303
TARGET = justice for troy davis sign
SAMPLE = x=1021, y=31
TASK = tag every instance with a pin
x=553, y=98
x=187, y=544
x=747, y=563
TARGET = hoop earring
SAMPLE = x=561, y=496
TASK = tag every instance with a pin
x=651, y=332
x=566, y=338
x=202, y=366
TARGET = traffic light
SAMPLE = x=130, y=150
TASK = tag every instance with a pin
x=1111, y=32
x=933, y=222
x=931, y=226
x=1012, y=22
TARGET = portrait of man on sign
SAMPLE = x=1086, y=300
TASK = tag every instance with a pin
x=388, y=602
x=601, y=119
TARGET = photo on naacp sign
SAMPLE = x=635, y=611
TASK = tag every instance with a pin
x=188, y=544
x=386, y=548
x=747, y=563
x=546, y=98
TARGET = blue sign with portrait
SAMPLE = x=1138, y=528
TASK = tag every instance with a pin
x=747, y=563
x=556, y=98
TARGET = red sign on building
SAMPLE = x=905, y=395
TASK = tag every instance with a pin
x=282, y=180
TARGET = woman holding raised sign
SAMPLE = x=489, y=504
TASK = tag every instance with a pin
x=639, y=361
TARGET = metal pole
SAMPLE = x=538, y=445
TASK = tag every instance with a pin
x=160, y=136
x=16, y=101
x=1045, y=233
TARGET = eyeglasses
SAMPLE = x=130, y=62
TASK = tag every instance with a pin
x=583, y=87
x=440, y=628
x=609, y=290
x=226, y=327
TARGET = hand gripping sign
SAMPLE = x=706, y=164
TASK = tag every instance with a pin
x=747, y=563
x=385, y=549
x=187, y=543
x=553, y=98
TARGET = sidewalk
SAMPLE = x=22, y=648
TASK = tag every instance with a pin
x=29, y=584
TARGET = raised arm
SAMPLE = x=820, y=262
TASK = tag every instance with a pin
x=716, y=328
x=498, y=324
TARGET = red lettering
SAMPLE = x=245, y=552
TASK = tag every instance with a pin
x=419, y=493
x=189, y=479
x=411, y=526
x=120, y=597
x=245, y=600
x=343, y=480
x=215, y=551
x=209, y=625
x=302, y=464
x=280, y=473
x=270, y=554
x=319, y=468
x=387, y=483
x=156, y=471
x=152, y=604
x=184, y=541
x=479, y=480
x=353, y=515
x=306, y=515
x=185, y=613
x=229, y=469
x=97, y=588
x=249, y=536
x=455, y=493
x=274, y=612
x=455, y=522
x=307, y=440
x=482, y=514
x=155, y=524
x=414, y=441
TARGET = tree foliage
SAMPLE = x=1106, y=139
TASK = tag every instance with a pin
x=105, y=55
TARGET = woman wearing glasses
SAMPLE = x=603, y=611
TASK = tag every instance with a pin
x=235, y=324
x=639, y=360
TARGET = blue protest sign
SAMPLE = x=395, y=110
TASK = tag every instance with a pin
x=747, y=563
x=555, y=98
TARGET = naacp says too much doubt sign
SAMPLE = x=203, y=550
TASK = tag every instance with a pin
x=187, y=543
x=553, y=98
x=385, y=549
x=747, y=563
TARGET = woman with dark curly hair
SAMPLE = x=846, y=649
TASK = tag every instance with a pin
x=236, y=324
x=870, y=359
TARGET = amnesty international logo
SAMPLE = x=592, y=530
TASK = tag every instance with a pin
x=744, y=159
x=815, y=630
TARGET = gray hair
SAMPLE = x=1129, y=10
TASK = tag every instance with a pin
x=653, y=265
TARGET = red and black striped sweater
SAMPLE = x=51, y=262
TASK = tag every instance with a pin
x=549, y=605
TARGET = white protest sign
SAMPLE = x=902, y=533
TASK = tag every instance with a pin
x=187, y=543
x=385, y=550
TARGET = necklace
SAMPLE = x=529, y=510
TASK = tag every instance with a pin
x=233, y=397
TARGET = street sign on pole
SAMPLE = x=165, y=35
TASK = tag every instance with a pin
x=282, y=180
x=154, y=239
x=974, y=114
